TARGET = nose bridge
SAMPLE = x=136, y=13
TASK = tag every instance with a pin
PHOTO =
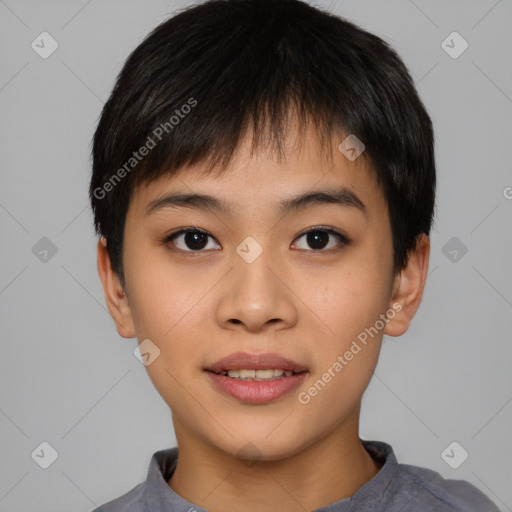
x=254, y=282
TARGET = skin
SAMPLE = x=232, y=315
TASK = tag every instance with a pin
x=307, y=305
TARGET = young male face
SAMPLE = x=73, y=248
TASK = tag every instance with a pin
x=305, y=305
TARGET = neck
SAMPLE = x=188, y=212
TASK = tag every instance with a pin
x=327, y=471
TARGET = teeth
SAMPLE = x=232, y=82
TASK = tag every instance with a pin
x=258, y=375
x=264, y=374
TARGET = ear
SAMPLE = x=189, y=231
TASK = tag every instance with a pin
x=408, y=288
x=117, y=301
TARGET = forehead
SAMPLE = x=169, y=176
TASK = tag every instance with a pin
x=259, y=178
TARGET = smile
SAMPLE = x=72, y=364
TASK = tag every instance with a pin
x=256, y=375
x=252, y=389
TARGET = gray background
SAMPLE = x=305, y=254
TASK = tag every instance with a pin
x=68, y=379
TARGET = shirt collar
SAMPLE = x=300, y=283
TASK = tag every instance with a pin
x=159, y=497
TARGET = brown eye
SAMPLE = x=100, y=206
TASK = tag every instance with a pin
x=320, y=238
x=190, y=240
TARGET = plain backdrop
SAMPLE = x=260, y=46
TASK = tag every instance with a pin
x=69, y=380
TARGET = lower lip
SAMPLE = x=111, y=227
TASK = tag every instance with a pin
x=256, y=392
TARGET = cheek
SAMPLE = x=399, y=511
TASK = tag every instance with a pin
x=348, y=346
x=162, y=295
x=348, y=301
x=167, y=309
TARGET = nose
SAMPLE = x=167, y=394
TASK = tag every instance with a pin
x=256, y=297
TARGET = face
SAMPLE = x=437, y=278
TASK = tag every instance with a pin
x=303, y=282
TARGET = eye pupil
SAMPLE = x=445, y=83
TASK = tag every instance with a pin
x=317, y=239
x=195, y=240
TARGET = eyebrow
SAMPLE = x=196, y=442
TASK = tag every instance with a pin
x=340, y=196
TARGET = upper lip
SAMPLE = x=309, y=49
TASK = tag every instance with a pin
x=245, y=361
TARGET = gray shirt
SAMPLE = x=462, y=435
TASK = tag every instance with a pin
x=396, y=487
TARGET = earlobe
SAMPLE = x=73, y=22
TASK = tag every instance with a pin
x=408, y=288
x=115, y=296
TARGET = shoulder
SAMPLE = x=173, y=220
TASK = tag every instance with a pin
x=129, y=502
x=152, y=494
x=426, y=490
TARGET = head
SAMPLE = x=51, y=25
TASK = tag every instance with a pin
x=248, y=102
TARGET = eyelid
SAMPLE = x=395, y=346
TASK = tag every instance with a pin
x=186, y=230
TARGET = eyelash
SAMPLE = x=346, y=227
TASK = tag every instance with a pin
x=321, y=229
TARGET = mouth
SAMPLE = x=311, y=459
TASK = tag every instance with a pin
x=256, y=378
x=260, y=375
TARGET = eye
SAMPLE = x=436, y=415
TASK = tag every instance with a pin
x=189, y=239
x=194, y=239
x=318, y=239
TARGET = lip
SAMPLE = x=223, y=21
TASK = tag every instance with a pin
x=256, y=392
x=245, y=361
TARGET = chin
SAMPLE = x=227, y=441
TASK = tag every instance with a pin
x=263, y=447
